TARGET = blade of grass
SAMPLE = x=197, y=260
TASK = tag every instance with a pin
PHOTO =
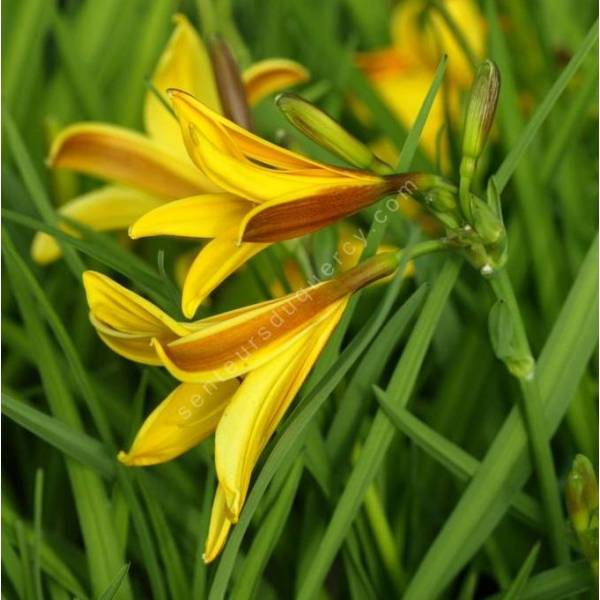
x=111, y=591
x=38, y=499
x=176, y=579
x=506, y=467
x=463, y=465
x=381, y=432
x=531, y=410
x=90, y=496
x=267, y=536
x=571, y=123
x=68, y=440
x=292, y=438
x=513, y=159
x=51, y=562
x=36, y=189
x=566, y=581
x=515, y=591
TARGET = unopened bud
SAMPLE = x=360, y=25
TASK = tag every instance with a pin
x=480, y=112
x=328, y=133
x=581, y=493
x=229, y=83
x=485, y=221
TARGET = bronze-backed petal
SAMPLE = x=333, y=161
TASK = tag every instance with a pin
x=234, y=346
x=118, y=154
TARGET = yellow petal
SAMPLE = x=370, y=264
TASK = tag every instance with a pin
x=218, y=529
x=424, y=39
x=183, y=64
x=188, y=415
x=214, y=263
x=257, y=183
x=257, y=408
x=106, y=209
x=244, y=340
x=126, y=322
x=269, y=76
x=118, y=154
x=226, y=136
x=204, y=216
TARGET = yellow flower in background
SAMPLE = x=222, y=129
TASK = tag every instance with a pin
x=154, y=168
x=402, y=73
x=271, y=346
x=272, y=194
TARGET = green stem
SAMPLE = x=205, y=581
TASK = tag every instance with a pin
x=533, y=417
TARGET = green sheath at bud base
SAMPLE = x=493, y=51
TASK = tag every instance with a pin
x=328, y=133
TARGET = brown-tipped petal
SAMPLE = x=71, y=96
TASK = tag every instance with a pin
x=272, y=75
x=239, y=344
x=282, y=219
x=115, y=153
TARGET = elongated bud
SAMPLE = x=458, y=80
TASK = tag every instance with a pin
x=485, y=221
x=481, y=110
x=502, y=335
x=229, y=83
x=328, y=133
x=581, y=493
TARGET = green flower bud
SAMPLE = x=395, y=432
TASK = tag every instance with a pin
x=581, y=493
x=328, y=133
x=480, y=113
x=485, y=221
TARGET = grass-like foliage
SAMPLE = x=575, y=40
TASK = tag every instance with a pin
x=430, y=451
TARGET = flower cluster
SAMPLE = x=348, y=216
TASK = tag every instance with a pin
x=200, y=172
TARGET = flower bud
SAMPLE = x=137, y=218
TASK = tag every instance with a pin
x=480, y=113
x=485, y=221
x=581, y=493
x=229, y=83
x=328, y=133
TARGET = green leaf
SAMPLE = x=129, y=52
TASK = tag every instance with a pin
x=71, y=442
x=291, y=440
x=513, y=159
x=452, y=457
x=515, y=591
x=111, y=591
x=381, y=433
x=506, y=466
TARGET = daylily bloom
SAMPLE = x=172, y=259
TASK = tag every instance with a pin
x=402, y=73
x=151, y=168
x=272, y=194
x=271, y=345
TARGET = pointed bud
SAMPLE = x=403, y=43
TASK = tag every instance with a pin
x=485, y=221
x=581, y=493
x=328, y=133
x=480, y=111
x=229, y=83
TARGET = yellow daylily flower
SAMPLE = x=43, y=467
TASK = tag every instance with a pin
x=272, y=194
x=155, y=164
x=272, y=345
x=402, y=73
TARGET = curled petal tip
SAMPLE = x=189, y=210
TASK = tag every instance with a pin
x=125, y=458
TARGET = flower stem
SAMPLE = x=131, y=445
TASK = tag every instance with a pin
x=533, y=417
